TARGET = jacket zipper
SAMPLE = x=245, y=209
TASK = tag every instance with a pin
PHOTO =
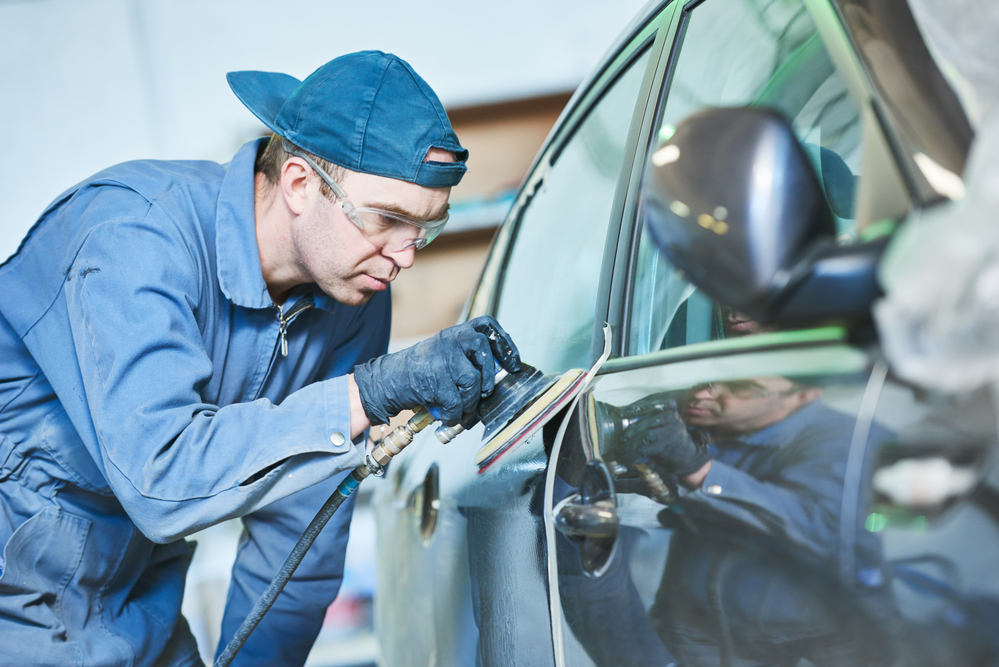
x=284, y=319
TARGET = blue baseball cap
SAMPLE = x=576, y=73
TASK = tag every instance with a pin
x=366, y=111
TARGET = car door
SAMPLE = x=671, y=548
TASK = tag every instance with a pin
x=462, y=566
x=765, y=560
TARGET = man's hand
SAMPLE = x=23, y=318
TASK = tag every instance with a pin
x=651, y=429
x=453, y=369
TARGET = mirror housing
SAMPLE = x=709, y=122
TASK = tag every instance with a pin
x=733, y=201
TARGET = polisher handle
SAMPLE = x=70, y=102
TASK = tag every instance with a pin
x=447, y=433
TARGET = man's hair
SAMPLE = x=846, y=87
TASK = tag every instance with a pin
x=269, y=164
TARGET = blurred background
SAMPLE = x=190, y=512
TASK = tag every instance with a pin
x=88, y=83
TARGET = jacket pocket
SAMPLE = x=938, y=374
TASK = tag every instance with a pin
x=40, y=559
x=159, y=591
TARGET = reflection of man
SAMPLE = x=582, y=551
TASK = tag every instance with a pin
x=750, y=577
x=731, y=409
x=737, y=323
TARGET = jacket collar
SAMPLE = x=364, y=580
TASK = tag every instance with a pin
x=240, y=275
x=783, y=432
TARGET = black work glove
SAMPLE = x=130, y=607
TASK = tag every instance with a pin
x=453, y=369
x=651, y=430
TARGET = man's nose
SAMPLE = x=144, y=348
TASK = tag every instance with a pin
x=704, y=392
x=402, y=258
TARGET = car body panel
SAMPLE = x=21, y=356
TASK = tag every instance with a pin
x=488, y=538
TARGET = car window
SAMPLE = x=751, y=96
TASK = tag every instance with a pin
x=735, y=53
x=739, y=571
x=549, y=285
x=837, y=517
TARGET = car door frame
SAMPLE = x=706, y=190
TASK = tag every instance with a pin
x=654, y=23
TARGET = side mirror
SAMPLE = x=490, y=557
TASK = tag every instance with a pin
x=733, y=201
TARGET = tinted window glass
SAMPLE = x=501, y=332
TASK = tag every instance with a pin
x=730, y=476
x=817, y=534
x=734, y=53
x=549, y=288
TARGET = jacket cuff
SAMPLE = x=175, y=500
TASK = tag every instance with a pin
x=337, y=395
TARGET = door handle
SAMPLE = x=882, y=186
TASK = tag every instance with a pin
x=588, y=518
x=577, y=519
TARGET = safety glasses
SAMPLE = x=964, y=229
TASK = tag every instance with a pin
x=746, y=389
x=392, y=231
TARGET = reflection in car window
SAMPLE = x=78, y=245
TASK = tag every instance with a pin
x=747, y=569
x=734, y=53
x=547, y=301
x=802, y=545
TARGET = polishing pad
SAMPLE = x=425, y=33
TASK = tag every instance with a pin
x=537, y=414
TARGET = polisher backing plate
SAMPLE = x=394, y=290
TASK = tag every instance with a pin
x=511, y=396
x=536, y=415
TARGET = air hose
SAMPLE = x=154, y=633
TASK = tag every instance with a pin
x=374, y=464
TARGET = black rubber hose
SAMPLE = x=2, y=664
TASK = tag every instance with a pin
x=291, y=564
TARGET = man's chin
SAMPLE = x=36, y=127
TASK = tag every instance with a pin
x=357, y=299
x=349, y=297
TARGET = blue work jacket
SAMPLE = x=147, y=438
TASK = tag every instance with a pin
x=145, y=394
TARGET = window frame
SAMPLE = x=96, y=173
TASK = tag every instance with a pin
x=936, y=126
x=647, y=32
x=875, y=206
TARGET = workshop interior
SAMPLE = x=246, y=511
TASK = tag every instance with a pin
x=739, y=409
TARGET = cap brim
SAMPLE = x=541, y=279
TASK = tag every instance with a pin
x=263, y=93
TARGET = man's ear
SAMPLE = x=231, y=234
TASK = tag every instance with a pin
x=295, y=184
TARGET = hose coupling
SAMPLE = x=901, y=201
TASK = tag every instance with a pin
x=372, y=467
x=660, y=491
x=400, y=437
x=448, y=433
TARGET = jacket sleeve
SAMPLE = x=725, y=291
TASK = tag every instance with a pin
x=176, y=462
x=798, y=505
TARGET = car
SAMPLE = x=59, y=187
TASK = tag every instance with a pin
x=731, y=472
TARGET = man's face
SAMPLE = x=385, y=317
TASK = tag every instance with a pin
x=744, y=406
x=337, y=255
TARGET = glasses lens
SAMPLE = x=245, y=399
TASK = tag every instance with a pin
x=748, y=389
x=395, y=232
x=736, y=388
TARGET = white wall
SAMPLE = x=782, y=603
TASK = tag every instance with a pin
x=87, y=83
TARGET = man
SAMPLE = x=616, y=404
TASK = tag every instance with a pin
x=752, y=575
x=185, y=342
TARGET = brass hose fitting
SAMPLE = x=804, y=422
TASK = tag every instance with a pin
x=657, y=486
x=400, y=437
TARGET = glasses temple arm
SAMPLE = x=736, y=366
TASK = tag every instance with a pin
x=334, y=186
